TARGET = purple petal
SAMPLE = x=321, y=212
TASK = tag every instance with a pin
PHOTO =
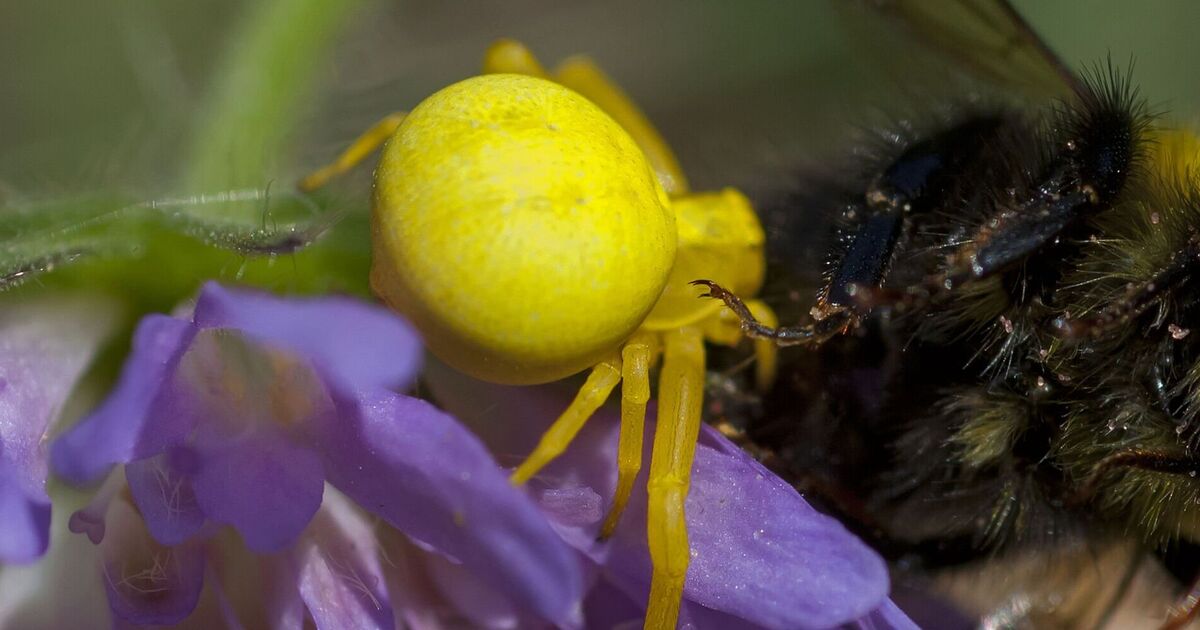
x=121, y=429
x=886, y=617
x=148, y=583
x=575, y=506
x=262, y=484
x=281, y=598
x=354, y=344
x=480, y=604
x=416, y=467
x=607, y=606
x=24, y=520
x=46, y=342
x=762, y=553
x=922, y=609
x=697, y=617
x=247, y=462
x=340, y=577
x=91, y=518
x=759, y=551
x=623, y=604
x=86, y=522
x=165, y=497
x=415, y=600
x=227, y=616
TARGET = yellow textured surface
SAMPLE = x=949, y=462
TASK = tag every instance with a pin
x=720, y=239
x=520, y=228
x=1177, y=154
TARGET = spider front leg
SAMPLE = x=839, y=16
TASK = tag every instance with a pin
x=595, y=391
x=512, y=57
x=726, y=328
x=359, y=150
x=681, y=392
x=752, y=327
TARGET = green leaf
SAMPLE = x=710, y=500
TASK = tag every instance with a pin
x=158, y=251
x=231, y=224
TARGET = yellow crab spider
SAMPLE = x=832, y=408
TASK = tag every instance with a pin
x=534, y=225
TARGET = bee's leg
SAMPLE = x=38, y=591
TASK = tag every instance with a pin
x=916, y=297
x=752, y=327
x=1157, y=460
x=1047, y=221
x=1004, y=242
x=766, y=354
x=680, y=391
x=871, y=245
x=1048, y=215
x=725, y=328
x=595, y=391
x=363, y=146
x=638, y=356
x=1136, y=300
x=878, y=225
x=917, y=184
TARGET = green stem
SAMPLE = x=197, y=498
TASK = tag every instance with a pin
x=261, y=90
x=257, y=96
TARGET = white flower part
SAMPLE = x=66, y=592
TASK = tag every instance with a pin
x=47, y=342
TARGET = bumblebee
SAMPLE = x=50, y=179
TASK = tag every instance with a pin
x=999, y=358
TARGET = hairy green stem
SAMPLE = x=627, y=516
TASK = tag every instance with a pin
x=260, y=91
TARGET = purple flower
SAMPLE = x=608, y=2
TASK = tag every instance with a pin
x=46, y=342
x=241, y=416
x=761, y=556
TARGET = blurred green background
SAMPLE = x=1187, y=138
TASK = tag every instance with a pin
x=147, y=98
x=97, y=93
x=107, y=103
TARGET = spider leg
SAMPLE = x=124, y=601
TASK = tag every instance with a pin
x=584, y=76
x=724, y=328
x=595, y=391
x=766, y=352
x=720, y=238
x=363, y=146
x=681, y=391
x=512, y=57
x=787, y=336
x=637, y=355
x=1137, y=299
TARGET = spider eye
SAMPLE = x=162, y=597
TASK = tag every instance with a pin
x=520, y=228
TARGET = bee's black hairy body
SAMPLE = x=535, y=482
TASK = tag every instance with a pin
x=999, y=361
x=920, y=180
x=1000, y=351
